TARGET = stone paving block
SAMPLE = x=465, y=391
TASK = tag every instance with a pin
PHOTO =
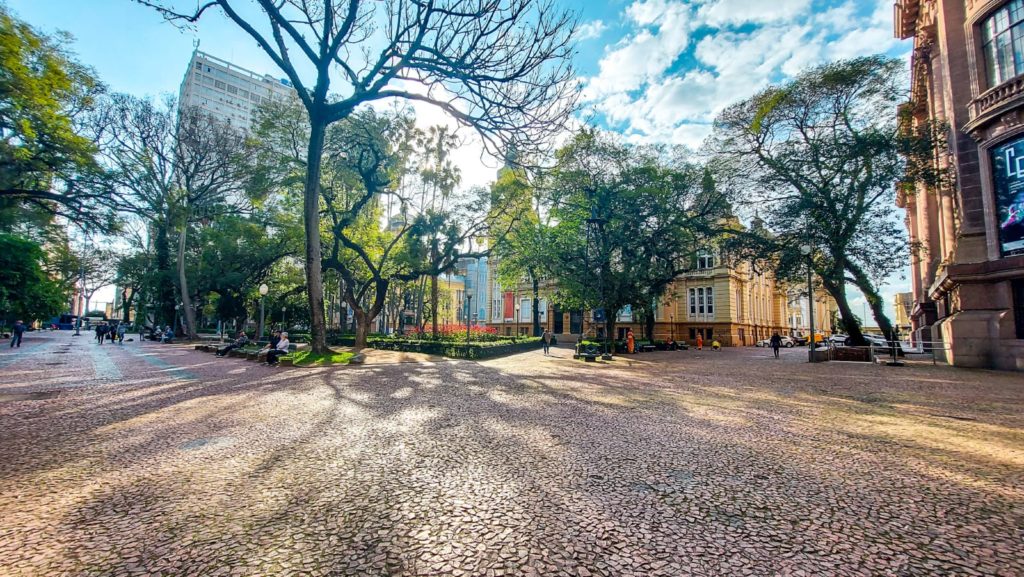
x=726, y=464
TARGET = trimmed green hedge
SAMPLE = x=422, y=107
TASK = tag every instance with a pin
x=475, y=350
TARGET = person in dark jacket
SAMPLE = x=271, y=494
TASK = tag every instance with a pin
x=776, y=343
x=16, y=333
x=238, y=343
x=275, y=338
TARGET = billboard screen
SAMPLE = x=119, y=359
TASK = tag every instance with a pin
x=1008, y=176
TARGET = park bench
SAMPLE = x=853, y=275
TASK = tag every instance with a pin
x=647, y=348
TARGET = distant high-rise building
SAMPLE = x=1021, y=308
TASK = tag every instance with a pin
x=227, y=92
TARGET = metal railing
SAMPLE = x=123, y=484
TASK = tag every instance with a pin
x=892, y=351
x=931, y=347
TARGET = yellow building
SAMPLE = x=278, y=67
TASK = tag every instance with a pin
x=904, y=303
x=798, y=320
x=735, y=305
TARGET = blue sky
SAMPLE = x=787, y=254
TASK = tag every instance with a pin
x=653, y=70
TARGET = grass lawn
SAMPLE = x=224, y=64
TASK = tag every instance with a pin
x=309, y=358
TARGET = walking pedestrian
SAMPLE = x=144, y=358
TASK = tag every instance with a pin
x=121, y=330
x=776, y=342
x=100, y=332
x=630, y=342
x=700, y=341
x=546, y=339
x=16, y=333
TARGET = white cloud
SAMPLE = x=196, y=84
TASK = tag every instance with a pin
x=664, y=33
x=590, y=30
x=743, y=46
x=736, y=12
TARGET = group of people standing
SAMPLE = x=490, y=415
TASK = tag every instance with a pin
x=113, y=333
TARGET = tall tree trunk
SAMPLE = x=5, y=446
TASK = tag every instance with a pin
x=837, y=289
x=364, y=316
x=419, y=305
x=165, y=287
x=433, y=295
x=433, y=306
x=186, y=298
x=362, y=328
x=536, y=305
x=649, y=325
x=126, y=303
x=609, y=331
x=874, y=299
x=311, y=219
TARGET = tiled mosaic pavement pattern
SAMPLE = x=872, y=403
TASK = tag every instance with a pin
x=149, y=459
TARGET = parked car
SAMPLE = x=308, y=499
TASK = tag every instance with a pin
x=839, y=339
x=877, y=341
x=787, y=342
x=872, y=340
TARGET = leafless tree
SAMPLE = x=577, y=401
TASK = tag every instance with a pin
x=174, y=166
x=501, y=67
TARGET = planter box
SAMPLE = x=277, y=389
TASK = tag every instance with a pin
x=857, y=354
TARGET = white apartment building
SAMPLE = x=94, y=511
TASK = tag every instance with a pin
x=227, y=92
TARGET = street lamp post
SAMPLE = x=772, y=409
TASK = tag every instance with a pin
x=81, y=292
x=806, y=251
x=264, y=289
x=284, y=319
x=672, y=326
x=517, y=319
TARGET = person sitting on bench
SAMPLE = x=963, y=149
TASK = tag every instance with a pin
x=275, y=337
x=279, y=351
x=168, y=335
x=238, y=343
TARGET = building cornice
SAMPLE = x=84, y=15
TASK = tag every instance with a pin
x=976, y=272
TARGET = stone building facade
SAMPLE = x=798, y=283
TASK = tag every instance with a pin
x=967, y=77
x=227, y=92
x=733, y=304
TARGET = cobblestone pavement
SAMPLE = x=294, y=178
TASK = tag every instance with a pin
x=148, y=459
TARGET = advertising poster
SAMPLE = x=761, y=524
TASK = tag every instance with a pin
x=1008, y=174
x=509, y=306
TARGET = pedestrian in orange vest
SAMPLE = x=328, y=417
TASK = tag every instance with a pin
x=630, y=342
x=700, y=341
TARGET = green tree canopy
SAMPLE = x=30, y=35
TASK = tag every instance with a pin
x=47, y=158
x=819, y=158
x=26, y=291
x=628, y=220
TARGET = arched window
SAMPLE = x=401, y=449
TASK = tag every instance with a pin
x=1002, y=41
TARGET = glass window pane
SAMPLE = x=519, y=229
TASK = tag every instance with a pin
x=1016, y=11
x=990, y=64
x=986, y=31
x=1004, y=47
x=1018, y=49
x=1002, y=19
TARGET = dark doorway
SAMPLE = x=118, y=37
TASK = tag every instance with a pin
x=559, y=322
x=576, y=322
